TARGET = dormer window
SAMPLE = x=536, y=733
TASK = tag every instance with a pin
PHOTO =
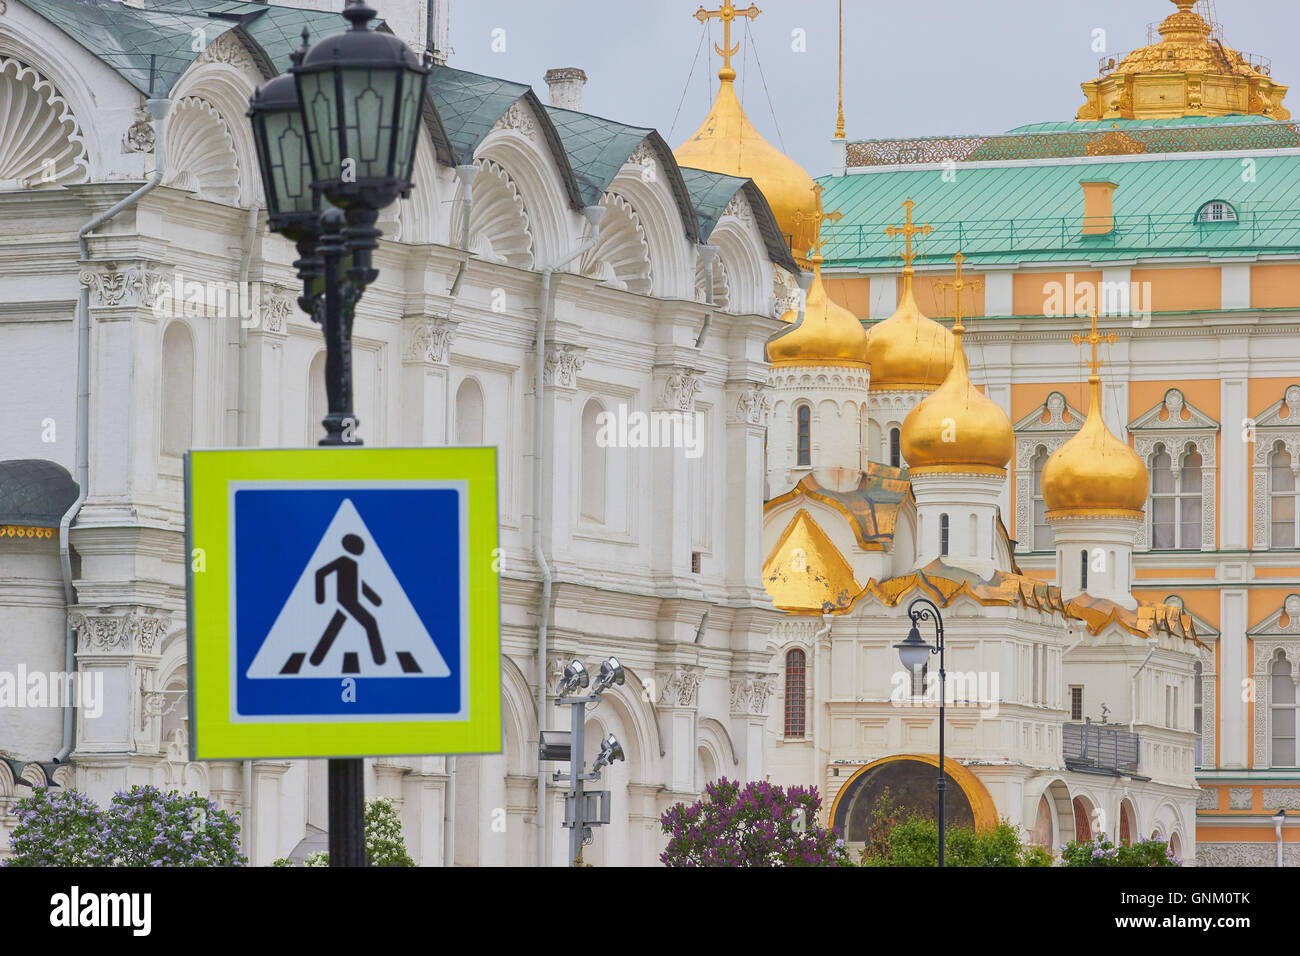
x=1217, y=211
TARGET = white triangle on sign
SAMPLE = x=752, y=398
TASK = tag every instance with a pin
x=331, y=638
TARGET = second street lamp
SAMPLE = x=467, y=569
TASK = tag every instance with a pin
x=336, y=144
x=913, y=653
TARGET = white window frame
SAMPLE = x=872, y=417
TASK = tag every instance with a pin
x=1032, y=434
x=1217, y=211
x=1271, y=636
x=1270, y=429
x=1165, y=425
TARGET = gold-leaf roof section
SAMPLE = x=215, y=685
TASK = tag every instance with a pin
x=1190, y=72
x=727, y=142
x=909, y=351
x=957, y=427
x=805, y=573
x=1094, y=474
x=871, y=508
x=829, y=333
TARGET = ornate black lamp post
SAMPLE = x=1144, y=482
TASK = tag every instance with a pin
x=336, y=144
x=913, y=653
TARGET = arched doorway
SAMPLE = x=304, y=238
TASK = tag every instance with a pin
x=1127, y=824
x=1082, y=819
x=910, y=780
x=1044, y=832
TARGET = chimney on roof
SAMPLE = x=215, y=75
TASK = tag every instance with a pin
x=1098, y=208
x=566, y=85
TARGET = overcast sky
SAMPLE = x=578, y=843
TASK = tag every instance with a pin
x=925, y=68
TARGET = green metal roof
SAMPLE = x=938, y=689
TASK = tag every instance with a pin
x=598, y=148
x=711, y=192
x=1100, y=126
x=470, y=104
x=1012, y=214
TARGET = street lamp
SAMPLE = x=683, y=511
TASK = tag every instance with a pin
x=335, y=144
x=913, y=653
x=582, y=810
x=1279, y=819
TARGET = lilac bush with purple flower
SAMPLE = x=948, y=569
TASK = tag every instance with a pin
x=759, y=825
x=141, y=827
x=1101, y=852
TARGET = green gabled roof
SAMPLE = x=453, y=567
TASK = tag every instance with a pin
x=711, y=192
x=470, y=104
x=598, y=148
x=1023, y=213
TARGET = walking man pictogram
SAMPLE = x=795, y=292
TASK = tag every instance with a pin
x=345, y=592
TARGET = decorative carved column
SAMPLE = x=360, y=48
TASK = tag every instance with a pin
x=427, y=401
x=265, y=425
x=563, y=457
x=677, y=704
x=749, y=406
x=749, y=701
x=118, y=651
x=676, y=387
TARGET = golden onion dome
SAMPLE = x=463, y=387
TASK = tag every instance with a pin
x=957, y=427
x=1094, y=473
x=727, y=142
x=909, y=351
x=828, y=335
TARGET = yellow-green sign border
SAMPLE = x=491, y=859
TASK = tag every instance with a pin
x=213, y=735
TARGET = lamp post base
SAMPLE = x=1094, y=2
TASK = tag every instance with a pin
x=347, y=812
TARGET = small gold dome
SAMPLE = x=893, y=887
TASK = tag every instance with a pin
x=1094, y=473
x=957, y=427
x=828, y=335
x=727, y=142
x=908, y=351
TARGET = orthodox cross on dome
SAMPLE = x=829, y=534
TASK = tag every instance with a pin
x=958, y=285
x=1094, y=338
x=907, y=232
x=726, y=14
x=817, y=219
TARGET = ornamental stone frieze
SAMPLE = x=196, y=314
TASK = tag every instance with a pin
x=680, y=687
x=139, y=136
x=519, y=118
x=749, y=695
x=752, y=407
x=899, y=400
x=114, y=630
x=680, y=388
x=427, y=340
x=116, y=285
x=563, y=362
x=228, y=50
x=739, y=208
x=827, y=378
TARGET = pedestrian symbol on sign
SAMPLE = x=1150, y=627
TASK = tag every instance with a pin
x=314, y=636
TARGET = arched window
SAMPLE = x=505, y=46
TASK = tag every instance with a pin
x=1126, y=827
x=919, y=677
x=895, y=445
x=1285, y=511
x=1082, y=821
x=1042, y=834
x=1198, y=674
x=469, y=413
x=317, y=401
x=1083, y=570
x=1217, y=211
x=795, y=689
x=1175, y=500
x=804, y=435
x=1282, y=695
x=593, y=479
x=177, y=390
x=943, y=535
x=1041, y=539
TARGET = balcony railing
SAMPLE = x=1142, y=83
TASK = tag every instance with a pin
x=1254, y=230
x=1100, y=747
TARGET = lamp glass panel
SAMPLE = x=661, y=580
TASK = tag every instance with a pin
x=316, y=92
x=369, y=96
x=408, y=124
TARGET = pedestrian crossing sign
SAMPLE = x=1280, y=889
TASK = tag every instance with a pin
x=343, y=602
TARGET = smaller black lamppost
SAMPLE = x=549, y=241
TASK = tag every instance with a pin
x=336, y=144
x=913, y=652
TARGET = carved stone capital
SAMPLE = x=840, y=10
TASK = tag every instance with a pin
x=680, y=387
x=680, y=687
x=123, y=285
x=276, y=303
x=428, y=340
x=749, y=695
x=563, y=362
x=120, y=631
x=753, y=406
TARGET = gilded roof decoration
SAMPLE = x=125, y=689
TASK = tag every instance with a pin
x=806, y=574
x=871, y=508
x=944, y=584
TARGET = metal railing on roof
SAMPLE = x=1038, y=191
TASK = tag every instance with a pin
x=1100, y=747
x=1253, y=230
